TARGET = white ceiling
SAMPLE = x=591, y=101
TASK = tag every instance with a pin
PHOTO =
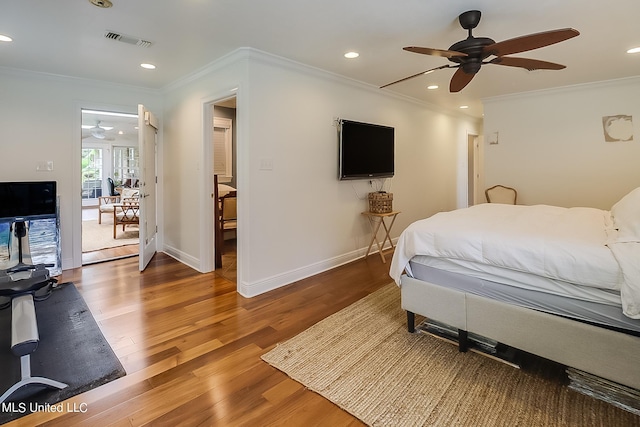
x=67, y=37
x=116, y=129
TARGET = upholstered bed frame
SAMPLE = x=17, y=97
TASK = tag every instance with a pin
x=603, y=352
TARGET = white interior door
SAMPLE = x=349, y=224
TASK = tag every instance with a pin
x=147, y=137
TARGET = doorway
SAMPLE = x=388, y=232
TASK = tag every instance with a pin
x=109, y=171
x=473, y=168
x=224, y=165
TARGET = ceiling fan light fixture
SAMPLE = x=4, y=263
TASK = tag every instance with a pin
x=432, y=87
x=93, y=127
x=148, y=66
x=634, y=50
x=4, y=38
x=98, y=133
x=351, y=55
x=105, y=4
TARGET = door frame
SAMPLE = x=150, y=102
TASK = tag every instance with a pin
x=207, y=243
x=76, y=200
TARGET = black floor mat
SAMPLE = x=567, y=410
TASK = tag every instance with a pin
x=71, y=350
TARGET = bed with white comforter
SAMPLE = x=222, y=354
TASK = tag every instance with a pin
x=549, y=249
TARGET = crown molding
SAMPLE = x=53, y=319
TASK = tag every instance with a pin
x=258, y=56
x=59, y=78
x=626, y=81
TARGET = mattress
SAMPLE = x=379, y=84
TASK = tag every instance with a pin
x=597, y=307
x=540, y=247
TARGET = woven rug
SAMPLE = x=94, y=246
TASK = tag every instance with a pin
x=100, y=236
x=363, y=360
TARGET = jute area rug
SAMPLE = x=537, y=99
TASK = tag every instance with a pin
x=100, y=236
x=363, y=360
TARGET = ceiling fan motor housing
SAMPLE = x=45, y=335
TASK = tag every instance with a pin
x=474, y=48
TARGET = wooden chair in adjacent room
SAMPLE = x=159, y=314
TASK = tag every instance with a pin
x=228, y=213
x=501, y=194
x=127, y=212
x=106, y=203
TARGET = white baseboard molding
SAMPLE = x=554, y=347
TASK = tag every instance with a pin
x=184, y=258
x=249, y=290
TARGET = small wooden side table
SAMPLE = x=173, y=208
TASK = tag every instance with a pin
x=375, y=219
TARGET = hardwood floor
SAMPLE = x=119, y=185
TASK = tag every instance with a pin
x=109, y=254
x=191, y=345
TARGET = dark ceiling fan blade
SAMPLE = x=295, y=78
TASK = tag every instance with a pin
x=435, y=52
x=530, y=42
x=420, y=74
x=529, y=64
x=459, y=80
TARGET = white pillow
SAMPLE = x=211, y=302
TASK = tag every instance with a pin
x=626, y=217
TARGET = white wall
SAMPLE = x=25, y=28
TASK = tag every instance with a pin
x=297, y=219
x=40, y=120
x=552, y=149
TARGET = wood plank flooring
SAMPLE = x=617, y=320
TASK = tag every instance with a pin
x=191, y=345
x=109, y=254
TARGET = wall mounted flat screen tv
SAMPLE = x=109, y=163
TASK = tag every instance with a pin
x=366, y=150
x=28, y=200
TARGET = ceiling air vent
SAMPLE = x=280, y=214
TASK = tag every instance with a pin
x=136, y=41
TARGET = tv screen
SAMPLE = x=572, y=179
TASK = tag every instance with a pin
x=366, y=150
x=27, y=200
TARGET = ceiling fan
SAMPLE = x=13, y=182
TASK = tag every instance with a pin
x=470, y=54
x=99, y=132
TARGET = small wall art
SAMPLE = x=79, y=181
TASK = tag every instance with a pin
x=617, y=128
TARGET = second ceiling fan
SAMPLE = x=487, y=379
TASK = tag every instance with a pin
x=470, y=54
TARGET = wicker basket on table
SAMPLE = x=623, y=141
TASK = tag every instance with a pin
x=380, y=202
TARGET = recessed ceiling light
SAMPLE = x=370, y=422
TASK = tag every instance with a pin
x=148, y=66
x=432, y=87
x=4, y=38
x=351, y=55
x=464, y=106
x=634, y=50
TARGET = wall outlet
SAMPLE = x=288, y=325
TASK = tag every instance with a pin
x=44, y=166
x=266, y=164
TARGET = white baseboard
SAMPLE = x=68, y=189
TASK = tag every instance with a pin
x=184, y=258
x=249, y=290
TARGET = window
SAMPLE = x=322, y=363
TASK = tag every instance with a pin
x=125, y=166
x=91, y=173
x=222, y=149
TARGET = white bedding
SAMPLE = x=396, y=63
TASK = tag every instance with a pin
x=566, y=244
